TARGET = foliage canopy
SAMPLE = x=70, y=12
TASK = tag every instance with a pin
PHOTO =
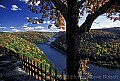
x=57, y=10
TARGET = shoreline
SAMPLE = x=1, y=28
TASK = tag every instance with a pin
x=108, y=66
x=57, y=49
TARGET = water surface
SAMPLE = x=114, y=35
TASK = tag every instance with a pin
x=98, y=73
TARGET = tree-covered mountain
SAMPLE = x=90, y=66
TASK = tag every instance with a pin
x=101, y=46
x=34, y=37
x=21, y=43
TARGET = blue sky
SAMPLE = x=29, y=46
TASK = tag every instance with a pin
x=14, y=13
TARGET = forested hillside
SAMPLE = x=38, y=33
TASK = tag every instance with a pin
x=34, y=37
x=102, y=47
x=21, y=43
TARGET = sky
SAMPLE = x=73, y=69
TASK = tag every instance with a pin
x=14, y=14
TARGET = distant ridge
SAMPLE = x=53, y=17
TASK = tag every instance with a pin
x=112, y=28
x=60, y=33
x=115, y=30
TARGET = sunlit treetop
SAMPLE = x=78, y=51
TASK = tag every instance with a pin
x=49, y=10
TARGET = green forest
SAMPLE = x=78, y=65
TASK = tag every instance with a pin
x=101, y=46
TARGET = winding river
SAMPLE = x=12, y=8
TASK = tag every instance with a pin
x=59, y=60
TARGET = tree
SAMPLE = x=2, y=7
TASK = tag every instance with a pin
x=70, y=11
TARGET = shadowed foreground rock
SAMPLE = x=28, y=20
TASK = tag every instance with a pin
x=10, y=70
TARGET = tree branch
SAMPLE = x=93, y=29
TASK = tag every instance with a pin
x=85, y=27
x=61, y=7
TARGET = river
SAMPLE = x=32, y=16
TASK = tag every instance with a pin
x=59, y=60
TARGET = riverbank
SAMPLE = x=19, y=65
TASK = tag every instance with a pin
x=103, y=64
x=98, y=73
x=55, y=57
x=98, y=45
x=97, y=63
x=57, y=49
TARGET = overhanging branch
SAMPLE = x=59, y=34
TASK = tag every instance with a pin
x=85, y=27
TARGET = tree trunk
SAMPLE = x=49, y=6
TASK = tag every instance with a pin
x=73, y=45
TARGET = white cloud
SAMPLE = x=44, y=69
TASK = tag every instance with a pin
x=48, y=22
x=104, y=23
x=53, y=22
x=25, y=25
x=28, y=28
x=39, y=27
x=53, y=26
x=116, y=23
x=44, y=22
x=12, y=27
x=16, y=30
x=43, y=30
x=36, y=17
x=24, y=1
x=4, y=27
x=27, y=17
x=1, y=6
x=5, y=31
x=15, y=8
